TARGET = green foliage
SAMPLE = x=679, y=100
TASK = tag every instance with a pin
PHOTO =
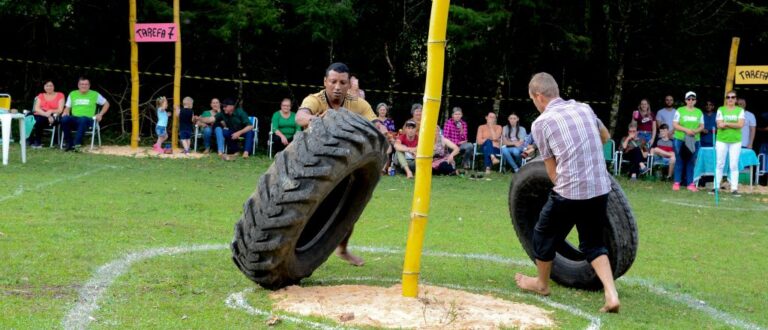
x=324, y=20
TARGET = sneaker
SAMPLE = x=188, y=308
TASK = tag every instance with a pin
x=735, y=193
x=692, y=187
x=676, y=186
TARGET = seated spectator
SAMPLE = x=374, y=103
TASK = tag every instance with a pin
x=231, y=125
x=48, y=106
x=455, y=130
x=529, y=147
x=416, y=110
x=382, y=111
x=284, y=126
x=80, y=111
x=444, y=163
x=206, y=121
x=635, y=152
x=405, y=148
x=489, y=140
x=645, y=122
x=663, y=150
x=186, y=119
x=512, y=138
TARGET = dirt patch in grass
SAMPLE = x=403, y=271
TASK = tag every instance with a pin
x=435, y=308
x=141, y=152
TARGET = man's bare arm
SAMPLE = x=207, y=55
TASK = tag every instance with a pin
x=303, y=116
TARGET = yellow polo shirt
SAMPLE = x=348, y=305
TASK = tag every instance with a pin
x=317, y=104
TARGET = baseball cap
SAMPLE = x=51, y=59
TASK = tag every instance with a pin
x=690, y=94
x=228, y=102
x=410, y=123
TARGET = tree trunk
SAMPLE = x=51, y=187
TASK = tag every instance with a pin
x=240, y=72
x=392, y=76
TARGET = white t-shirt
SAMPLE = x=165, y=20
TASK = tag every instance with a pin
x=749, y=121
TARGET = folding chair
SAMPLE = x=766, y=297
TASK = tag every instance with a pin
x=609, y=153
x=94, y=131
x=255, y=123
x=269, y=141
x=475, y=152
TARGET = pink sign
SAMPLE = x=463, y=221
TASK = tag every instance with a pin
x=155, y=32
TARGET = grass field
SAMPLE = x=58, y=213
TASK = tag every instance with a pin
x=72, y=223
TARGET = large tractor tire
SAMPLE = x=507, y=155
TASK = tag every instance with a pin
x=309, y=199
x=528, y=194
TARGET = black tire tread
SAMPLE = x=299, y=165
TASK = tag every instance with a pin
x=293, y=186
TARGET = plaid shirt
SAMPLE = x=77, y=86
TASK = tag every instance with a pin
x=455, y=132
x=569, y=132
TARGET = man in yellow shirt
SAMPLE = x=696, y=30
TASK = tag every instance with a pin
x=334, y=97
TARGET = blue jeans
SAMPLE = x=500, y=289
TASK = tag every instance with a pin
x=207, y=132
x=512, y=156
x=233, y=146
x=488, y=150
x=81, y=124
x=682, y=164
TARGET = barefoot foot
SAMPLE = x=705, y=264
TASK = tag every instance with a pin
x=350, y=258
x=610, y=308
x=531, y=284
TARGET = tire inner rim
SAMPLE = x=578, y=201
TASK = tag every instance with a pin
x=327, y=212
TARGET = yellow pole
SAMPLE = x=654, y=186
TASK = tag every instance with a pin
x=432, y=94
x=176, y=78
x=134, y=78
x=731, y=66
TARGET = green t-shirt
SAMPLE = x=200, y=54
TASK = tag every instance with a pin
x=83, y=105
x=287, y=126
x=729, y=135
x=236, y=121
x=690, y=119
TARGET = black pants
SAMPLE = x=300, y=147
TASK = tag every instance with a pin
x=557, y=218
x=635, y=157
x=277, y=143
x=41, y=123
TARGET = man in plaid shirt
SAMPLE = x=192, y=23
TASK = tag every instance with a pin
x=568, y=135
x=455, y=130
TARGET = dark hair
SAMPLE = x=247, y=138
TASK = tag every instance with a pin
x=83, y=78
x=663, y=126
x=515, y=129
x=45, y=81
x=338, y=67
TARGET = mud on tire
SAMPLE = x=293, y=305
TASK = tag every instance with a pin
x=309, y=199
x=527, y=195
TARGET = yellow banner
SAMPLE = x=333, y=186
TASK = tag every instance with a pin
x=751, y=74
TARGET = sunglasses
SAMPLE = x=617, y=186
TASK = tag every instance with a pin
x=730, y=97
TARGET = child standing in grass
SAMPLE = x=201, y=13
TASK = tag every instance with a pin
x=186, y=119
x=162, y=123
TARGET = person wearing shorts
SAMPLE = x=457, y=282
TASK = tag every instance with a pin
x=570, y=140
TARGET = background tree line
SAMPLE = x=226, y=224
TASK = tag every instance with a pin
x=609, y=53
